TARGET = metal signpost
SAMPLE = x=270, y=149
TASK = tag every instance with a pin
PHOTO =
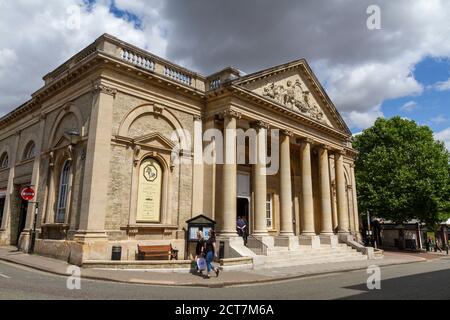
x=28, y=194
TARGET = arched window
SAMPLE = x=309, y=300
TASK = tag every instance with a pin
x=30, y=151
x=4, y=160
x=63, y=191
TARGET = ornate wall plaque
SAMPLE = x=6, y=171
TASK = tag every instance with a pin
x=149, y=192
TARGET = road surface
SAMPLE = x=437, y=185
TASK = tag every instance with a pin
x=424, y=280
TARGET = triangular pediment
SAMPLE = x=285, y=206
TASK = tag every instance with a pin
x=155, y=140
x=295, y=87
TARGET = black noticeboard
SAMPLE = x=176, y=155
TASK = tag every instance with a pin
x=199, y=223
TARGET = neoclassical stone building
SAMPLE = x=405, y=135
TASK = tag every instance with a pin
x=102, y=142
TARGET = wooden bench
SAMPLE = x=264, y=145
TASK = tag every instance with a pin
x=163, y=251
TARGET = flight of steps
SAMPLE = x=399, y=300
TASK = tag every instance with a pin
x=304, y=255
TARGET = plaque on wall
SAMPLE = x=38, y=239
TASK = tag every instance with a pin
x=149, y=192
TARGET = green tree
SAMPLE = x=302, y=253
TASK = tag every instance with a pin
x=402, y=173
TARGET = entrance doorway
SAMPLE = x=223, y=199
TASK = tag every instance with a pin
x=243, y=210
x=22, y=219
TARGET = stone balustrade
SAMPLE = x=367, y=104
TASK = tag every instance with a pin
x=177, y=75
x=138, y=60
x=214, y=84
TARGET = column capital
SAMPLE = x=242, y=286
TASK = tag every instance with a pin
x=340, y=151
x=305, y=140
x=287, y=133
x=104, y=89
x=198, y=117
x=260, y=124
x=232, y=113
x=324, y=146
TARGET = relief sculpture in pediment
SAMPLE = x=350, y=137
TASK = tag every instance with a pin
x=293, y=97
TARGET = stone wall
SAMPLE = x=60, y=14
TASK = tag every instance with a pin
x=179, y=202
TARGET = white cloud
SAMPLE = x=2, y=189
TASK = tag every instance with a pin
x=362, y=120
x=442, y=85
x=409, y=106
x=439, y=119
x=39, y=37
x=444, y=136
x=360, y=68
x=360, y=87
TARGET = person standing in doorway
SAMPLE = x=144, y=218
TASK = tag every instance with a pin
x=210, y=249
x=240, y=226
x=245, y=230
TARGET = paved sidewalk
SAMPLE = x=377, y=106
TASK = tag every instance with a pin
x=226, y=278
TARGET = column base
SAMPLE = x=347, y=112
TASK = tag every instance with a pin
x=309, y=240
x=345, y=237
x=3, y=238
x=290, y=241
x=269, y=241
x=230, y=245
x=331, y=240
x=24, y=241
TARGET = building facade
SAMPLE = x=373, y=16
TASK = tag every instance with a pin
x=123, y=147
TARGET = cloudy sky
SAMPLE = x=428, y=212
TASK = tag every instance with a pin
x=401, y=69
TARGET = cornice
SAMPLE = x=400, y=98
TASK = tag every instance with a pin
x=255, y=98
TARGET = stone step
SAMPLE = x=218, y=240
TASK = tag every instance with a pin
x=311, y=252
x=290, y=263
x=314, y=256
x=310, y=258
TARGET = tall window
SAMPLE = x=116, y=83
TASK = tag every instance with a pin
x=30, y=151
x=63, y=192
x=4, y=161
x=269, y=211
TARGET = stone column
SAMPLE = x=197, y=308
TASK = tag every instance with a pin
x=12, y=154
x=229, y=175
x=197, y=179
x=97, y=165
x=286, y=186
x=343, y=222
x=260, y=181
x=24, y=241
x=286, y=237
x=355, y=203
x=307, y=215
x=326, y=233
x=308, y=234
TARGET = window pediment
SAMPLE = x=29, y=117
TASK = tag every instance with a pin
x=155, y=140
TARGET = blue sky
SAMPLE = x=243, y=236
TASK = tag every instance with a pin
x=403, y=68
x=432, y=106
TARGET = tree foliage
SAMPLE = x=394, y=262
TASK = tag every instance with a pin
x=402, y=173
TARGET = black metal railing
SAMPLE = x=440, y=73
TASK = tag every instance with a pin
x=256, y=245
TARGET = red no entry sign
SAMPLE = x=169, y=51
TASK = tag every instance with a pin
x=27, y=194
